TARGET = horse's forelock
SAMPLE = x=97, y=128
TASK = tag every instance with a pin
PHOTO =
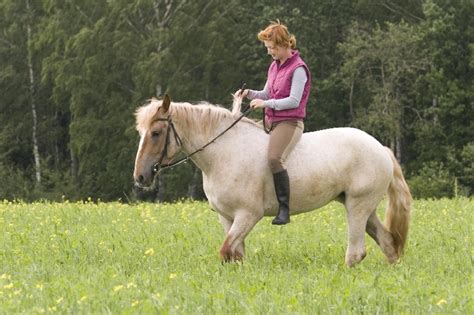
x=145, y=113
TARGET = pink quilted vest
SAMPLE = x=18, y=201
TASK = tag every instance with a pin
x=279, y=84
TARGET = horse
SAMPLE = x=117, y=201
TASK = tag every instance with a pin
x=343, y=164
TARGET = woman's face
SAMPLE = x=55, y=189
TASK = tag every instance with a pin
x=273, y=50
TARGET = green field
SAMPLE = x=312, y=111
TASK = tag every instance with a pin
x=149, y=258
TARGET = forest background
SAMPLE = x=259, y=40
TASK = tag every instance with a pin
x=72, y=74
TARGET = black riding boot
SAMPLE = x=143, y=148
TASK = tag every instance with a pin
x=282, y=189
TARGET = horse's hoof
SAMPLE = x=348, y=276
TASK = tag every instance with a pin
x=236, y=258
x=352, y=260
x=393, y=259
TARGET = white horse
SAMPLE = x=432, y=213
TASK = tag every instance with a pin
x=343, y=164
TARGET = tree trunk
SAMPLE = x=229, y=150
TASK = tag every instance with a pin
x=193, y=188
x=160, y=194
x=351, y=106
x=398, y=148
x=57, y=157
x=435, y=112
x=73, y=165
x=32, y=97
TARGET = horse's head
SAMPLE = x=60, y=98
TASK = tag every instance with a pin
x=159, y=142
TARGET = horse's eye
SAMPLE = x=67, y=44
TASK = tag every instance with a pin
x=155, y=134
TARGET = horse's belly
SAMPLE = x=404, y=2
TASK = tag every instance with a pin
x=232, y=194
x=309, y=190
x=312, y=186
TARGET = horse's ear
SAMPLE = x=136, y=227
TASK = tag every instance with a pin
x=166, y=103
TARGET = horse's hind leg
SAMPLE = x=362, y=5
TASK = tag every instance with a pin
x=381, y=236
x=358, y=212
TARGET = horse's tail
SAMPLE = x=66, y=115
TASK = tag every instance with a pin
x=397, y=219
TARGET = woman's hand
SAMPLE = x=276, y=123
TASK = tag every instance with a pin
x=257, y=103
x=244, y=93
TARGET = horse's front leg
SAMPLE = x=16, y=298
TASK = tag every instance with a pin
x=233, y=247
x=226, y=224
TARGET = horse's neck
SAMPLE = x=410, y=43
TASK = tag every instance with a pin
x=195, y=134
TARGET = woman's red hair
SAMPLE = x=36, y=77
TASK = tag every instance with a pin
x=278, y=33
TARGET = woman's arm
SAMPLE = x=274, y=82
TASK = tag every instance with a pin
x=263, y=94
x=297, y=87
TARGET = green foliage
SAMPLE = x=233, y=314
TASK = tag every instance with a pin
x=467, y=173
x=380, y=68
x=14, y=185
x=148, y=259
x=401, y=70
x=432, y=180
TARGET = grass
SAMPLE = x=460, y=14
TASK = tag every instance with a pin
x=149, y=258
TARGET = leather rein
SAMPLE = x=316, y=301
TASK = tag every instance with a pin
x=158, y=167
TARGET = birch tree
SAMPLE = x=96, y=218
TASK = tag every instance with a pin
x=31, y=73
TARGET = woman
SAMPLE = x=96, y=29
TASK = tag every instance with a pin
x=284, y=99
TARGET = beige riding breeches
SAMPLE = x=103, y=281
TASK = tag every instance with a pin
x=283, y=138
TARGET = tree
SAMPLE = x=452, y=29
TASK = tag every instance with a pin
x=445, y=95
x=20, y=134
x=401, y=70
x=380, y=68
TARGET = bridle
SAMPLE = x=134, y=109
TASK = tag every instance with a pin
x=158, y=167
x=177, y=139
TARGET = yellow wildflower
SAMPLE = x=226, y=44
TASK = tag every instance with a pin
x=118, y=288
x=150, y=252
x=441, y=302
x=8, y=286
x=5, y=276
x=173, y=275
x=82, y=299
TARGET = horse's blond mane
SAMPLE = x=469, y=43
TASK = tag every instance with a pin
x=204, y=115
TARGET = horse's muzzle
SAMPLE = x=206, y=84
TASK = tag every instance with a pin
x=140, y=180
x=143, y=181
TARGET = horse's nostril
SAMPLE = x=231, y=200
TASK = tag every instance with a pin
x=141, y=179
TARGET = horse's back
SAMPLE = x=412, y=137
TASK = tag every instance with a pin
x=339, y=147
x=344, y=135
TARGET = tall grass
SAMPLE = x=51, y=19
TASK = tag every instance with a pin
x=149, y=258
